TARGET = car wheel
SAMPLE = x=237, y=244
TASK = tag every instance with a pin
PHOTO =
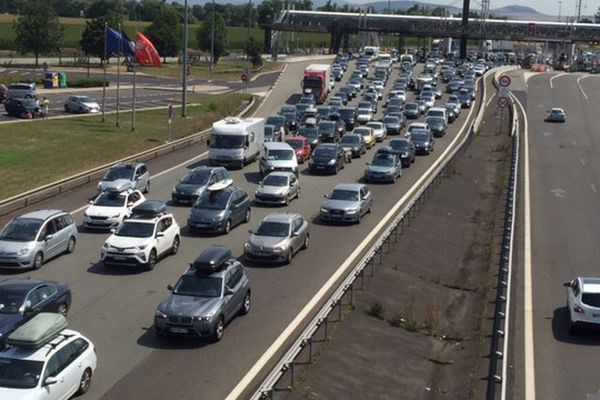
x=290, y=255
x=66, y=109
x=85, y=382
x=246, y=304
x=151, y=260
x=217, y=334
x=147, y=188
x=306, y=242
x=71, y=245
x=38, y=260
x=573, y=329
x=247, y=215
x=287, y=200
x=298, y=193
x=227, y=227
x=62, y=309
x=175, y=245
x=359, y=217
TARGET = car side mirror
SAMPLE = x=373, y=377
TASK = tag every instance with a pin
x=567, y=284
x=228, y=291
x=27, y=309
x=130, y=204
x=170, y=288
x=295, y=234
x=50, y=381
x=48, y=237
x=160, y=234
x=91, y=202
x=250, y=231
x=113, y=230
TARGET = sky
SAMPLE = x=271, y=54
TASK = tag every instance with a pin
x=549, y=7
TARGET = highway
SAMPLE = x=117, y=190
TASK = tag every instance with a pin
x=115, y=307
x=564, y=179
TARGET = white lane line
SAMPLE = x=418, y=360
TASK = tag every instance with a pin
x=556, y=76
x=581, y=88
x=593, y=188
x=13, y=72
x=582, y=161
x=489, y=101
x=528, y=296
x=260, y=364
x=574, y=142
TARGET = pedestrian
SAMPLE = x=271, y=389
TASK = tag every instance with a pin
x=46, y=104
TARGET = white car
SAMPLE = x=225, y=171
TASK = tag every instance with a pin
x=81, y=104
x=331, y=84
x=144, y=238
x=398, y=94
x=364, y=115
x=416, y=126
x=378, y=85
x=583, y=303
x=379, y=130
x=110, y=208
x=44, y=360
x=479, y=70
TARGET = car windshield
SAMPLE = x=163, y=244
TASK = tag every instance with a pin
x=350, y=139
x=344, y=194
x=375, y=125
x=326, y=127
x=383, y=161
x=417, y=135
x=289, y=117
x=294, y=144
x=434, y=121
x=198, y=177
x=363, y=132
x=411, y=106
x=288, y=109
x=124, y=172
x=280, y=154
x=364, y=111
x=399, y=145
x=276, y=121
x=19, y=374
x=271, y=228
x=213, y=200
x=346, y=113
x=275, y=180
x=85, y=99
x=198, y=286
x=135, y=229
x=391, y=120
x=108, y=199
x=324, y=152
x=309, y=133
x=10, y=302
x=364, y=105
x=591, y=299
x=21, y=230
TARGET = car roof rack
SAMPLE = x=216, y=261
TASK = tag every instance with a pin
x=212, y=259
x=121, y=187
x=38, y=331
x=224, y=184
x=149, y=209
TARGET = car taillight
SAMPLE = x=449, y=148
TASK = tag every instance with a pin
x=578, y=309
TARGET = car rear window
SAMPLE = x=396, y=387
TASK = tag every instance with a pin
x=591, y=299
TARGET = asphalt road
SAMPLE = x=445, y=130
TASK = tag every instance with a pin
x=565, y=179
x=115, y=307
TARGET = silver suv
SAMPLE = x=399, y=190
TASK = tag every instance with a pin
x=583, y=303
x=210, y=293
x=136, y=176
x=31, y=239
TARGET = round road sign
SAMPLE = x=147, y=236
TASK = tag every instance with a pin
x=504, y=81
x=503, y=102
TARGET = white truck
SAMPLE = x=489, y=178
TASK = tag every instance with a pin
x=235, y=142
x=372, y=52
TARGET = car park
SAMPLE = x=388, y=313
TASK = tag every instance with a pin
x=423, y=141
x=81, y=104
x=385, y=167
x=135, y=176
x=278, y=238
x=278, y=188
x=379, y=130
x=23, y=108
x=301, y=146
x=327, y=157
x=150, y=233
x=35, y=237
x=347, y=202
x=404, y=148
x=212, y=291
x=110, y=208
x=367, y=134
x=556, y=115
x=278, y=157
x=219, y=209
x=191, y=186
x=354, y=143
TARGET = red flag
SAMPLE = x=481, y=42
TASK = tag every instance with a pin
x=145, y=52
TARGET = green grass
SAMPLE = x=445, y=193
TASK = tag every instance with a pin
x=42, y=151
x=224, y=70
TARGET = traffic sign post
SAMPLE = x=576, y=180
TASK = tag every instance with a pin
x=504, y=81
x=503, y=103
x=169, y=120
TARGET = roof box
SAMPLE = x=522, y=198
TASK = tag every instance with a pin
x=119, y=187
x=211, y=259
x=38, y=331
x=149, y=209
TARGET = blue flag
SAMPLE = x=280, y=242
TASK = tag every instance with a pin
x=115, y=44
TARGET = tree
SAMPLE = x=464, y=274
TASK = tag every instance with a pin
x=38, y=30
x=165, y=32
x=113, y=10
x=204, y=35
x=254, y=51
x=92, y=38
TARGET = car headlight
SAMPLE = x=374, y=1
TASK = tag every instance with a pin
x=247, y=246
x=24, y=251
x=426, y=144
x=405, y=154
x=324, y=210
x=141, y=247
x=204, y=318
x=331, y=162
x=218, y=218
x=105, y=246
x=99, y=185
x=116, y=215
x=352, y=211
x=199, y=191
x=160, y=315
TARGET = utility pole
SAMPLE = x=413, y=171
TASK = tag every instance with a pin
x=104, y=62
x=184, y=63
x=559, y=9
x=578, y=7
x=212, y=38
x=465, y=24
x=119, y=74
x=133, y=100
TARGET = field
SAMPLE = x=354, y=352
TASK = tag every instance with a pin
x=42, y=151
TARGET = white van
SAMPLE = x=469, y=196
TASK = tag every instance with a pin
x=278, y=156
x=438, y=112
x=235, y=142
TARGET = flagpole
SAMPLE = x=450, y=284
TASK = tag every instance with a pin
x=119, y=72
x=105, y=60
x=212, y=38
x=133, y=95
x=184, y=63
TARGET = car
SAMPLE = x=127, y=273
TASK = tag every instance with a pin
x=301, y=146
x=347, y=202
x=364, y=115
x=219, y=209
x=23, y=108
x=404, y=148
x=422, y=106
x=287, y=109
x=429, y=99
x=22, y=90
x=291, y=119
x=348, y=115
x=368, y=135
x=270, y=134
x=583, y=303
x=412, y=110
x=437, y=125
x=311, y=134
x=328, y=132
x=451, y=111
x=393, y=124
x=453, y=86
x=556, y=115
x=327, y=157
x=278, y=238
x=385, y=167
x=212, y=291
x=417, y=126
x=22, y=299
x=3, y=93
x=136, y=175
x=45, y=360
x=191, y=186
x=278, y=187
x=465, y=98
x=33, y=238
x=423, y=141
x=342, y=95
x=369, y=101
x=455, y=101
x=379, y=130
x=110, y=208
x=323, y=111
x=353, y=143
x=277, y=156
x=280, y=126
x=81, y=104
x=150, y=233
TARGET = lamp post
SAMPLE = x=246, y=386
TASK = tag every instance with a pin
x=184, y=63
x=559, y=9
x=212, y=38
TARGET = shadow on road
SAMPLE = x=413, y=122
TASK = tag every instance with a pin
x=100, y=269
x=252, y=177
x=151, y=340
x=560, y=330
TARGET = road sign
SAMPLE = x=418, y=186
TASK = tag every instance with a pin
x=503, y=92
x=246, y=75
x=244, y=78
x=503, y=102
x=504, y=81
x=170, y=112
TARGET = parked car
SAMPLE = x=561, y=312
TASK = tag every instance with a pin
x=583, y=303
x=278, y=187
x=141, y=240
x=196, y=181
x=34, y=238
x=23, y=108
x=423, y=141
x=327, y=157
x=347, y=202
x=403, y=148
x=385, y=167
x=135, y=175
x=22, y=90
x=301, y=146
x=354, y=143
x=81, y=104
x=556, y=115
x=110, y=208
x=278, y=238
x=212, y=291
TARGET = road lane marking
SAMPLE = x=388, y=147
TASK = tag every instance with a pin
x=580, y=87
x=489, y=101
x=593, y=188
x=582, y=161
x=574, y=142
x=556, y=76
x=528, y=296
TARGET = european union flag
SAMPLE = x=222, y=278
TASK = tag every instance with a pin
x=119, y=43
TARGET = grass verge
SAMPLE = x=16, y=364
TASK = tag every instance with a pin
x=42, y=151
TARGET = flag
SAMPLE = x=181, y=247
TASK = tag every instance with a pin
x=145, y=52
x=115, y=43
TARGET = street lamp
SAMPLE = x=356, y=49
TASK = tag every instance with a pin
x=212, y=38
x=559, y=9
x=184, y=63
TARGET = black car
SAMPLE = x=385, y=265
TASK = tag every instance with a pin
x=290, y=120
x=411, y=110
x=22, y=299
x=465, y=98
x=354, y=143
x=280, y=124
x=453, y=86
x=328, y=132
x=342, y=95
x=219, y=210
x=323, y=111
x=423, y=141
x=349, y=116
x=23, y=108
x=393, y=125
x=451, y=111
x=404, y=148
x=437, y=126
x=311, y=133
x=327, y=157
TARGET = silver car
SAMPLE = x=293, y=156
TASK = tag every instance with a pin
x=81, y=104
x=278, y=187
x=383, y=168
x=211, y=292
x=278, y=237
x=348, y=202
x=136, y=176
x=31, y=239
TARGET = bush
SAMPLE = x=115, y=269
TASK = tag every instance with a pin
x=86, y=83
x=375, y=310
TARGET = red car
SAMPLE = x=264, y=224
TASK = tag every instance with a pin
x=301, y=147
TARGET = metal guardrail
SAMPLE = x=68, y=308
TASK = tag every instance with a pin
x=41, y=193
x=306, y=339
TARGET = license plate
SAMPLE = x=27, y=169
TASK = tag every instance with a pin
x=178, y=330
x=201, y=225
x=119, y=258
x=596, y=315
x=262, y=253
x=320, y=167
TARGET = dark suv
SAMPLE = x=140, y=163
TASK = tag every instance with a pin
x=327, y=157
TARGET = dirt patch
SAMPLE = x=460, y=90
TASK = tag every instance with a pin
x=419, y=329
